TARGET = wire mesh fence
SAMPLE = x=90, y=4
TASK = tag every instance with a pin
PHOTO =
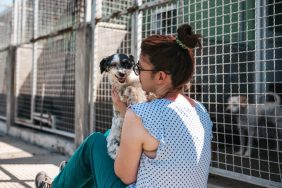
x=55, y=81
x=240, y=56
x=5, y=25
x=23, y=16
x=45, y=35
x=24, y=82
x=5, y=40
x=113, y=36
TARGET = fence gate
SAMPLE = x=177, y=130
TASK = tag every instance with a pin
x=45, y=34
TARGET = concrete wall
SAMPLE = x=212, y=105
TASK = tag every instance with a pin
x=51, y=142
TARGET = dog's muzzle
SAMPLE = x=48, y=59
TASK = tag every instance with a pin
x=121, y=79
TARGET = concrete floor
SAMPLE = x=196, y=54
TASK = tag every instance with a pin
x=21, y=161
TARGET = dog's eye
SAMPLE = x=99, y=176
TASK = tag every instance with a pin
x=126, y=64
x=113, y=64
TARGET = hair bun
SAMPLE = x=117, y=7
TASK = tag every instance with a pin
x=186, y=36
x=185, y=30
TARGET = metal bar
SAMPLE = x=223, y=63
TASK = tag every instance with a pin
x=56, y=33
x=14, y=42
x=246, y=178
x=11, y=58
x=21, y=21
x=15, y=23
x=34, y=58
x=153, y=4
x=95, y=7
x=258, y=47
x=137, y=30
x=24, y=11
x=58, y=132
x=81, y=88
x=133, y=9
x=50, y=35
x=276, y=62
x=3, y=118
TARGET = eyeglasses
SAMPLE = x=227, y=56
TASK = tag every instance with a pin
x=137, y=69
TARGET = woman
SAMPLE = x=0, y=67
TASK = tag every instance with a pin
x=165, y=142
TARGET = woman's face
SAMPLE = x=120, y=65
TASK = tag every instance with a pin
x=147, y=78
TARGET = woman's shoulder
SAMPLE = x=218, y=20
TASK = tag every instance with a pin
x=153, y=107
x=149, y=103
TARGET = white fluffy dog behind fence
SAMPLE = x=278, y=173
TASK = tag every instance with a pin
x=249, y=116
x=118, y=68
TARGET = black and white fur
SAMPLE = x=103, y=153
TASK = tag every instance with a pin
x=249, y=115
x=118, y=68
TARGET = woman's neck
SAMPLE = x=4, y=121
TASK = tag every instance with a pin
x=165, y=92
x=161, y=91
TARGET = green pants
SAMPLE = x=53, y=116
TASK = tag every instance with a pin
x=90, y=166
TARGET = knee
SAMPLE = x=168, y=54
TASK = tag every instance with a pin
x=96, y=137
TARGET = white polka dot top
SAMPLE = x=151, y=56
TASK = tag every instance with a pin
x=184, y=154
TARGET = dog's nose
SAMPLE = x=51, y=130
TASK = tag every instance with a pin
x=121, y=74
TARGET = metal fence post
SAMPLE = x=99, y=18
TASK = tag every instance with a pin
x=14, y=40
x=259, y=55
x=136, y=30
x=92, y=94
x=11, y=62
x=96, y=13
x=34, y=58
x=81, y=87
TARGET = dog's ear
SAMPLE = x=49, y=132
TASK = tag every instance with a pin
x=104, y=64
x=131, y=59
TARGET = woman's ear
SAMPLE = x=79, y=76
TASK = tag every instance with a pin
x=162, y=76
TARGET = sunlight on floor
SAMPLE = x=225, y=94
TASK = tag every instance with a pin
x=12, y=152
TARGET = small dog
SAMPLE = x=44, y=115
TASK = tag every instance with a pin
x=249, y=117
x=118, y=68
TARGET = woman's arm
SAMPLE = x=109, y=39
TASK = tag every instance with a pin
x=129, y=153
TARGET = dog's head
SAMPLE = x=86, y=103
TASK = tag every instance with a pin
x=119, y=66
x=235, y=103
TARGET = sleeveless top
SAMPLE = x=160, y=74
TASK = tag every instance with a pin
x=184, y=153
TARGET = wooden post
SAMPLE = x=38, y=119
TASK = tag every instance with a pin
x=11, y=64
x=81, y=87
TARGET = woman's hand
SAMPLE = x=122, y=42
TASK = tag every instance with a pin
x=119, y=105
